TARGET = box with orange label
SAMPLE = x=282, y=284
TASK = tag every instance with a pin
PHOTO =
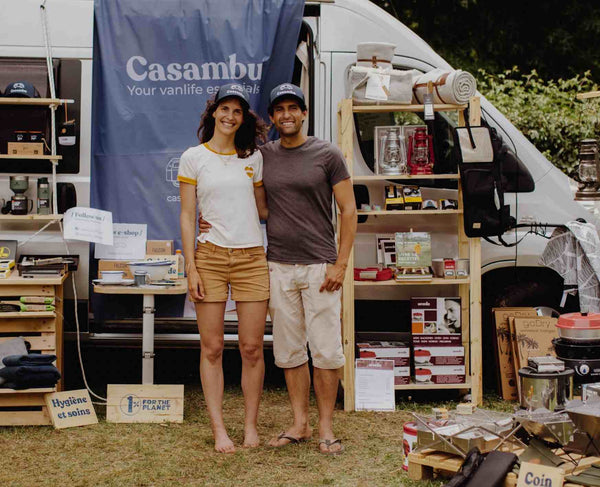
x=438, y=356
x=440, y=374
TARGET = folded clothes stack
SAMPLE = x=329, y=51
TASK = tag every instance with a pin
x=28, y=371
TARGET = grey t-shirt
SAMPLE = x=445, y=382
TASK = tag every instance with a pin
x=299, y=185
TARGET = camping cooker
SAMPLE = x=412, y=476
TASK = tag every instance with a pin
x=550, y=390
x=582, y=357
x=579, y=327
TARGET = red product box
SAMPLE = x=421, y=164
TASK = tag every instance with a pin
x=440, y=374
x=399, y=352
x=438, y=356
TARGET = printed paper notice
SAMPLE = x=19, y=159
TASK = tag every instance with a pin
x=89, y=225
x=129, y=243
x=374, y=385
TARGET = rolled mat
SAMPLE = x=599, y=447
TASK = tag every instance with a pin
x=453, y=87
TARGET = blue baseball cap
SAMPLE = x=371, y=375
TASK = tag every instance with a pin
x=233, y=89
x=21, y=89
x=286, y=90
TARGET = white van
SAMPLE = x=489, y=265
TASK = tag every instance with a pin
x=332, y=30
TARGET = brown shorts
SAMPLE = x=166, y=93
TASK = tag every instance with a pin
x=245, y=270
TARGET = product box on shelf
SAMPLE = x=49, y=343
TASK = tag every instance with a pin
x=438, y=356
x=26, y=148
x=440, y=374
x=436, y=321
x=114, y=265
x=398, y=352
x=394, y=199
x=159, y=247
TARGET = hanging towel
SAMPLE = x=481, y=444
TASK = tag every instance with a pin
x=574, y=252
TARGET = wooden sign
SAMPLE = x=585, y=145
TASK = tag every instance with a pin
x=533, y=338
x=71, y=408
x=534, y=475
x=131, y=403
x=503, y=338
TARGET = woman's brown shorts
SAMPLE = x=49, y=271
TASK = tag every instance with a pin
x=245, y=270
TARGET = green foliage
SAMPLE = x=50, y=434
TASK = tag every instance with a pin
x=547, y=112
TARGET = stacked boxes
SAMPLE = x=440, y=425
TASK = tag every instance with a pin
x=397, y=351
x=437, y=340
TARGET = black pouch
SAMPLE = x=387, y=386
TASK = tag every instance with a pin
x=485, y=214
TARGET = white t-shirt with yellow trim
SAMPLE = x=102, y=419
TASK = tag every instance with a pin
x=225, y=192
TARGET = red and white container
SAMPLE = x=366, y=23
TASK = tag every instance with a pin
x=409, y=441
x=579, y=327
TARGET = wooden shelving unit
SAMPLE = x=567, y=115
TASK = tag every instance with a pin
x=469, y=289
x=45, y=102
x=30, y=217
x=31, y=158
x=43, y=330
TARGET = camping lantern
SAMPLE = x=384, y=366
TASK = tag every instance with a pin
x=420, y=152
x=393, y=158
x=587, y=171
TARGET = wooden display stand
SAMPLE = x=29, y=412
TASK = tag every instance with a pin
x=44, y=331
x=469, y=288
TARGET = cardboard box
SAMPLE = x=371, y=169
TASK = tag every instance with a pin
x=439, y=356
x=436, y=321
x=172, y=274
x=399, y=352
x=114, y=265
x=533, y=338
x=440, y=374
x=159, y=247
x=401, y=375
x=26, y=148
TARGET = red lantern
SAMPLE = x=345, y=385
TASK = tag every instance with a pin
x=420, y=152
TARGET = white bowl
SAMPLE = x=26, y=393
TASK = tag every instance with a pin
x=156, y=270
x=112, y=276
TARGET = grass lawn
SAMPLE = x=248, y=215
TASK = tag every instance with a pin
x=182, y=454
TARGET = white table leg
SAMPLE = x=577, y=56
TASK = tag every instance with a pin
x=148, y=340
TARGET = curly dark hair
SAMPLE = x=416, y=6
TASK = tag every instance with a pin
x=252, y=131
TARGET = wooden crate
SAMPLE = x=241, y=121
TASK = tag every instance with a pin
x=424, y=465
x=43, y=331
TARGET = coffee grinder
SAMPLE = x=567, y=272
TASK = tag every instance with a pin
x=19, y=203
x=43, y=196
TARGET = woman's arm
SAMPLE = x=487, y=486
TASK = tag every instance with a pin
x=261, y=202
x=187, y=221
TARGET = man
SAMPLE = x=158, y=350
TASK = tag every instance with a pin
x=300, y=176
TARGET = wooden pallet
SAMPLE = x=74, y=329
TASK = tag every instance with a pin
x=428, y=463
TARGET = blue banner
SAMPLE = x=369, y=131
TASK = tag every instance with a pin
x=156, y=63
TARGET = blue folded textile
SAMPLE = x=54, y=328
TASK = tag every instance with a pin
x=29, y=382
x=16, y=373
x=28, y=359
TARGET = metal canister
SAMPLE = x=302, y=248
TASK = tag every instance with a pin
x=43, y=196
x=550, y=390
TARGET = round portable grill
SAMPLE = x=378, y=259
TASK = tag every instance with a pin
x=578, y=345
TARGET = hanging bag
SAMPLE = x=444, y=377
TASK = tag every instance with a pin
x=485, y=214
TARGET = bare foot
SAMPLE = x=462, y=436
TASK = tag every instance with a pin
x=222, y=443
x=331, y=446
x=292, y=435
x=251, y=439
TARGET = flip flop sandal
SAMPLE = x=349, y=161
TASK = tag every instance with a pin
x=292, y=440
x=329, y=444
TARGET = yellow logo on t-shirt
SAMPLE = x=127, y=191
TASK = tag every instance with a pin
x=249, y=171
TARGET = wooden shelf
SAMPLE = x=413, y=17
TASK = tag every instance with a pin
x=33, y=101
x=40, y=390
x=29, y=218
x=14, y=280
x=436, y=281
x=384, y=177
x=429, y=386
x=404, y=108
x=410, y=212
x=31, y=158
x=28, y=314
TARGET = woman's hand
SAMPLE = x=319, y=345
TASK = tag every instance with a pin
x=203, y=225
x=195, y=286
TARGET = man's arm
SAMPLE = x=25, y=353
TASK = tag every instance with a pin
x=344, y=197
x=261, y=202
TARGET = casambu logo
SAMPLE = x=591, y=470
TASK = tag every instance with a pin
x=172, y=170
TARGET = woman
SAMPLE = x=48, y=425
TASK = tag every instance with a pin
x=223, y=177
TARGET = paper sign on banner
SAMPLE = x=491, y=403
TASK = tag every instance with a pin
x=89, y=225
x=129, y=243
x=71, y=408
x=375, y=385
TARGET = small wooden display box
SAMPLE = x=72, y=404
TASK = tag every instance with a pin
x=44, y=331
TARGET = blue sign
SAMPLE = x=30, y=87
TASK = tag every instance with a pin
x=156, y=63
